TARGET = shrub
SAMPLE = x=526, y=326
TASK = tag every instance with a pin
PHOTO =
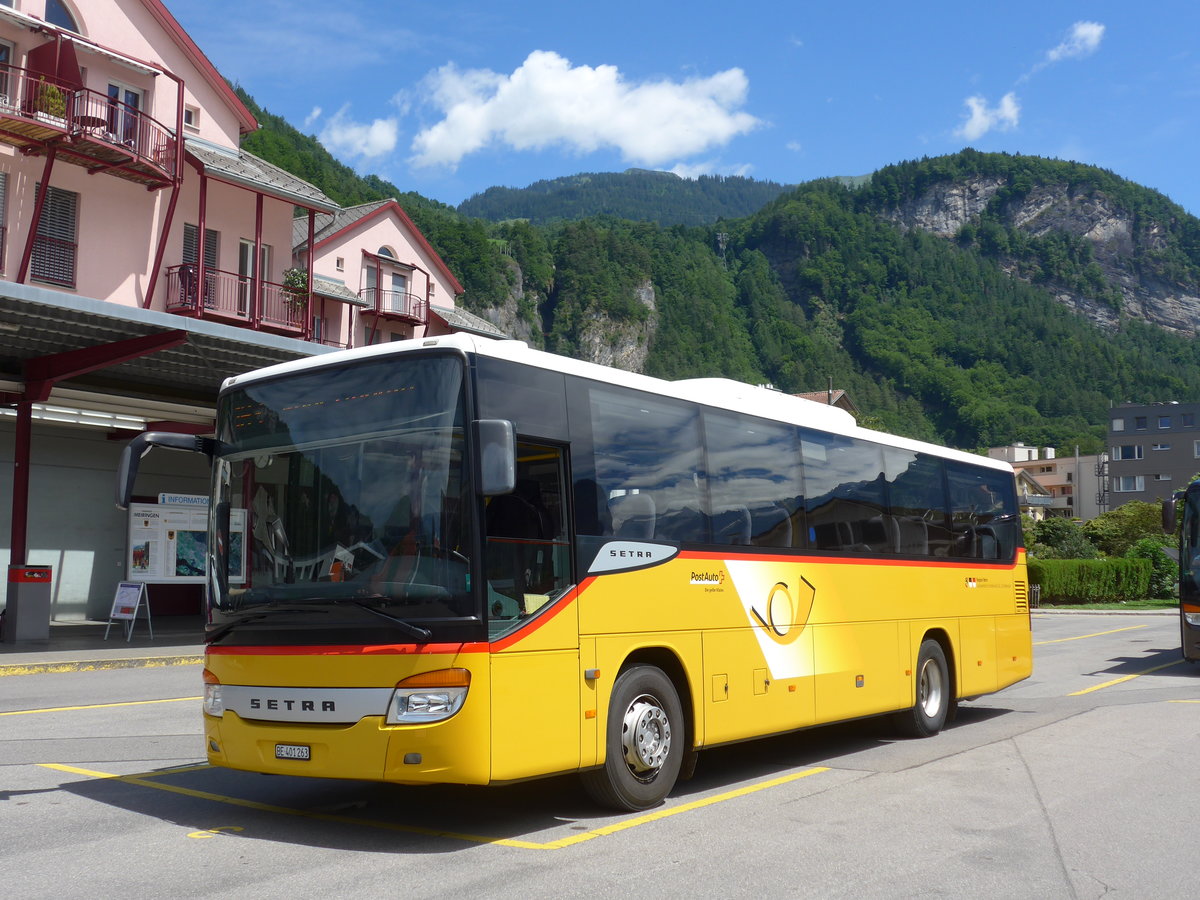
x=1091, y=580
x=1163, y=569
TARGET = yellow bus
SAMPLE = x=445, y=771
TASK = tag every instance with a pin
x=466, y=561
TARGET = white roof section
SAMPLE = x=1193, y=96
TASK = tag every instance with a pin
x=719, y=393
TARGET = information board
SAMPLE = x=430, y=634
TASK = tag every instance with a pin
x=168, y=542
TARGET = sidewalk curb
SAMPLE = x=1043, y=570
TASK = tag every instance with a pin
x=95, y=665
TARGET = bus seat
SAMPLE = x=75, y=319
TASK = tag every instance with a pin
x=633, y=516
x=771, y=526
x=914, y=535
x=732, y=526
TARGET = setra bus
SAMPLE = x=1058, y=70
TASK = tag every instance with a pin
x=458, y=560
x=1189, y=565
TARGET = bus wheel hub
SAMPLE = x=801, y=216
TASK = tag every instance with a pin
x=645, y=736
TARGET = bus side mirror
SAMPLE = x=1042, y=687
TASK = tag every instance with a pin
x=132, y=455
x=497, y=443
x=1168, y=513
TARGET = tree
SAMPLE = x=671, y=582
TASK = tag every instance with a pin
x=1060, y=538
x=1115, y=531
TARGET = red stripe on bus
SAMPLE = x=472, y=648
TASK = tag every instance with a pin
x=352, y=650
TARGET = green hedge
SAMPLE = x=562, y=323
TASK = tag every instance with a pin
x=1091, y=580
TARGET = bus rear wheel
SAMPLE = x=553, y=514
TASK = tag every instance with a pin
x=933, y=696
x=643, y=742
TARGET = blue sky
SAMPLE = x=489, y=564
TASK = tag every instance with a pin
x=449, y=98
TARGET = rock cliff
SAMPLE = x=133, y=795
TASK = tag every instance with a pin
x=1124, y=247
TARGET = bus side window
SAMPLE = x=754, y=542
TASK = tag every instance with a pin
x=527, y=547
x=983, y=513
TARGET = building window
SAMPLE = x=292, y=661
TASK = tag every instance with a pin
x=1128, y=451
x=1187, y=420
x=1164, y=421
x=58, y=14
x=124, y=114
x=340, y=264
x=55, y=247
x=1162, y=477
x=1196, y=449
x=191, y=117
x=1128, y=484
x=1161, y=447
x=1118, y=424
x=6, y=58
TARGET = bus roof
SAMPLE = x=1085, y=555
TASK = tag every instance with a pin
x=721, y=393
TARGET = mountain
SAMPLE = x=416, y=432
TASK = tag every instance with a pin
x=973, y=299
x=637, y=194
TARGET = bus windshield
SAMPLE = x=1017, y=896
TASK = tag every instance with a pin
x=343, y=490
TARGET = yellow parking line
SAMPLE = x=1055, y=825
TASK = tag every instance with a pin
x=145, y=780
x=1098, y=687
x=52, y=709
x=1082, y=636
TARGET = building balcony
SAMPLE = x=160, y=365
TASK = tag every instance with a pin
x=86, y=128
x=400, y=306
x=230, y=298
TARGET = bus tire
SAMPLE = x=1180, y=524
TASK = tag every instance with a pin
x=933, y=694
x=644, y=741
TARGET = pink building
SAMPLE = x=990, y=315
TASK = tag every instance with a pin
x=144, y=258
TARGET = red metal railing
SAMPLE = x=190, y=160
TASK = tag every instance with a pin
x=401, y=304
x=86, y=114
x=228, y=296
x=104, y=118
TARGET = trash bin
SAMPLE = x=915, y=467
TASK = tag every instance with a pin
x=27, y=616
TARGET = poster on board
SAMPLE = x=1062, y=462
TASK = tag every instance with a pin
x=168, y=542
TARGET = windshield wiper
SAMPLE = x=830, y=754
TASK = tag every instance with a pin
x=225, y=627
x=416, y=631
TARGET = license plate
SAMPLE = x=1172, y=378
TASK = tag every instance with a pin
x=292, y=751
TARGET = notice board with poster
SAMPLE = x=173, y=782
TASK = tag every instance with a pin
x=168, y=541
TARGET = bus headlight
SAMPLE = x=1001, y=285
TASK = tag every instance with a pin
x=1192, y=619
x=214, y=704
x=429, y=697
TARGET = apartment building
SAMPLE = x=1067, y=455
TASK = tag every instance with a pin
x=144, y=258
x=1074, y=485
x=1154, y=450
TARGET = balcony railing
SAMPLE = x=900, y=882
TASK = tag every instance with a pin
x=104, y=133
x=228, y=296
x=3, y=244
x=397, y=304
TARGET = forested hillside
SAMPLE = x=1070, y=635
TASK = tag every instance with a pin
x=974, y=299
x=637, y=194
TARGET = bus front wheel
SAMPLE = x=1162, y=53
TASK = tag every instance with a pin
x=933, y=694
x=643, y=742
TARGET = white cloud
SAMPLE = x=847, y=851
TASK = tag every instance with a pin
x=312, y=117
x=1082, y=40
x=983, y=119
x=693, y=171
x=795, y=146
x=548, y=102
x=343, y=137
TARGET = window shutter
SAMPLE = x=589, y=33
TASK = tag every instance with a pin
x=54, y=249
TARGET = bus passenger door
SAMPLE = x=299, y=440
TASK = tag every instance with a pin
x=533, y=621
